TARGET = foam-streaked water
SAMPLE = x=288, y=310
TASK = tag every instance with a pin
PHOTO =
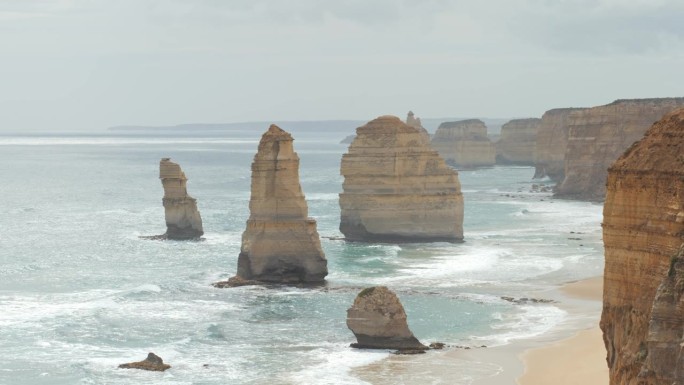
x=81, y=293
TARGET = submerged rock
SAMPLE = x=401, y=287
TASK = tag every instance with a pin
x=378, y=321
x=280, y=243
x=397, y=188
x=183, y=220
x=153, y=362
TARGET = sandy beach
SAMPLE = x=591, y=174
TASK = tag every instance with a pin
x=553, y=358
x=579, y=359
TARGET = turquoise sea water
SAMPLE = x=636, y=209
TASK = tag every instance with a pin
x=80, y=292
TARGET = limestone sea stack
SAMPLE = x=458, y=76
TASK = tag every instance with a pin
x=598, y=136
x=415, y=122
x=397, y=188
x=281, y=243
x=464, y=144
x=643, y=231
x=518, y=142
x=552, y=141
x=378, y=321
x=183, y=220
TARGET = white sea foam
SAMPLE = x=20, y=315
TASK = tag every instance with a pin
x=529, y=321
x=336, y=366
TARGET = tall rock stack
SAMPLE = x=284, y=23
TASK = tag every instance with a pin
x=598, y=136
x=397, y=188
x=552, y=141
x=183, y=220
x=518, y=142
x=415, y=122
x=281, y=243
x=464, y=144
x=643, y=230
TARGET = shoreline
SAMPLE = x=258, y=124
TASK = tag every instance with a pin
x=550, y=364
x=540, y=360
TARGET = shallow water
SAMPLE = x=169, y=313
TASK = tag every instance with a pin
x=81, y=293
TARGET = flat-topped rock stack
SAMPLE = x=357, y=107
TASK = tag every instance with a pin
x=643, y=231
x=183, y=220
x=397, y=188
x=281, y=243
x=597, y=136
x=464, y=144
x=552, y=141
x=518, y=142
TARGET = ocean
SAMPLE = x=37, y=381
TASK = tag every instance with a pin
x=81, y=292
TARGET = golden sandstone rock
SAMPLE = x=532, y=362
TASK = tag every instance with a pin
x=464, y=144
x=397, y=188
x=552, y=140
x=598, y=136
x=280, y=243
x=414, y=122
x=378, y=321
x=183, y=220
x=643, y=230
x=518, y=142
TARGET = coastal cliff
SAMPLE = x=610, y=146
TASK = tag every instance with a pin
x=552, y=140
x=397, y=188
x=464, y=144
x=183, y=220
x=598, y=136
x=643, y=231
x=415, y=122
x=281, y=243
x=518, y=142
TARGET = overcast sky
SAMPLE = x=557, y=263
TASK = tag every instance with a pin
x=91, y=64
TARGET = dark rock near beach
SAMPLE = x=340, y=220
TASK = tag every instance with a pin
x=437, y=345
x=153, y=362
x=378, y=321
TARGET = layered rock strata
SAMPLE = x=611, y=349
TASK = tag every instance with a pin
x=552, y=141
x=518, y=142
x=378, y=321
x=464, y=144
x=183, y=220
x=415, y=122
x=280, y=243
x=598, y=136
x=397, y=188
x=643, y=229
x=153, y=363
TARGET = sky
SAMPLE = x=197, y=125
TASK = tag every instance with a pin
x=91, y=64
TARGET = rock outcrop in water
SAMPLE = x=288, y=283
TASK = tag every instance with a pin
x=378, y=321
x=552, y=141
x=398, y=189
x=153, y=363
x=464, y=144
x=183, y=220
x=598, y=136
x=415, y=122
x=518, y=142
x=643, y=229
x=280, y=244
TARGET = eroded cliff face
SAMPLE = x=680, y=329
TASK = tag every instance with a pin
x=552, y=140
x=598, y=136
x=183, y=220
x=464, y=144
x=643, y=229
x=518, y=142
x=281, y=243
x=397, y=188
